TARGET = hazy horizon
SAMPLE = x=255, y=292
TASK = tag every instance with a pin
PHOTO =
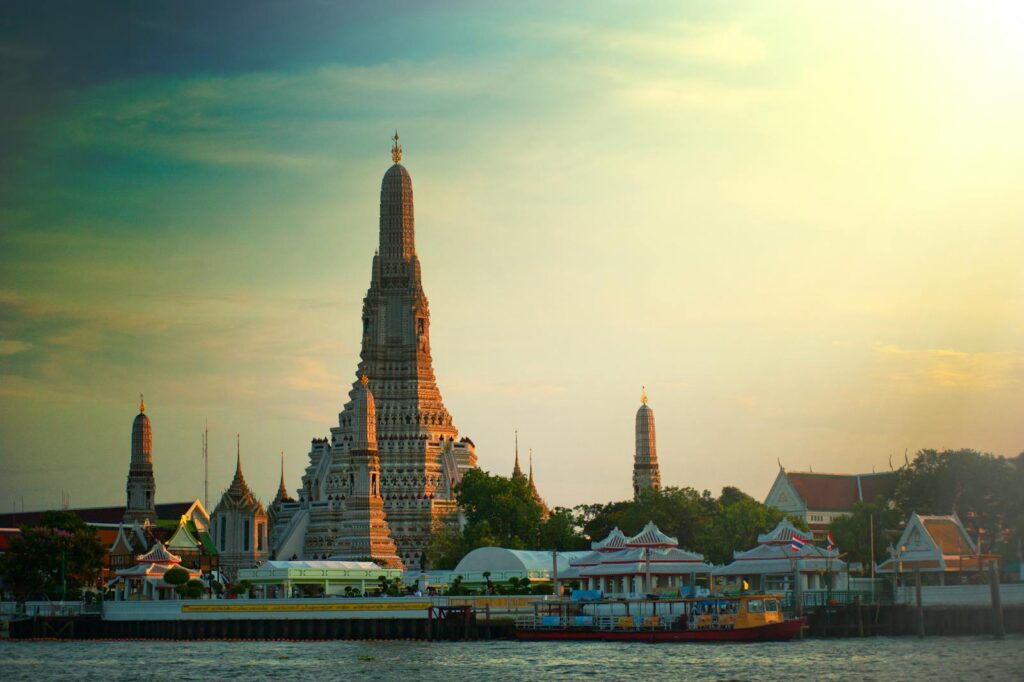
x=798, y=225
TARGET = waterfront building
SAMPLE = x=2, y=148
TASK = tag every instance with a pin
x=817, y=499
x=646, y=474
x=125, y=541
x=939, y=547
x=145, y=580
x=364, y=533
x=239, y=525
x=649, y=562
x=285, y=579
x=141, y=486
x=771, y=565
x=421, y=455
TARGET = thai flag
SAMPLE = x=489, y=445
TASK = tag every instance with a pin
x=797, y=543
x=830, y=544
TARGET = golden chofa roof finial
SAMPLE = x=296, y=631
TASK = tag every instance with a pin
x=396, y=149
x=643, y=394
x=364, y=380
x=142, y=404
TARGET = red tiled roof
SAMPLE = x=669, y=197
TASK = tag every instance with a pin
x=873, y=485
x=5, y=537
x=838, y=492
x=113, y=515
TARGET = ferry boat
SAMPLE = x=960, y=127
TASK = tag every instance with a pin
x=741, y=618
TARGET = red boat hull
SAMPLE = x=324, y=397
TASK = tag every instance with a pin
x=774, y=632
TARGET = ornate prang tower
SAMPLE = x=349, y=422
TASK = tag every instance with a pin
x=364, y=531
x=645, y=463
x=420, y=453
x=141, y=488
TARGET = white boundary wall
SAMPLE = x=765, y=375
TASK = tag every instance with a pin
x=962, y=595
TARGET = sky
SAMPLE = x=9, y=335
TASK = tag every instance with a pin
x=800, y=225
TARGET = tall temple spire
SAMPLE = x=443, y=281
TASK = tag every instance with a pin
x=517, y=471
x=421, y=454
x=141, y=486
x=545, y=512
x=282, y=489
x=646, y=473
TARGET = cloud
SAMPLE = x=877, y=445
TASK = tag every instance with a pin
x=681, y=41
x=264, y=119
x=947, y=369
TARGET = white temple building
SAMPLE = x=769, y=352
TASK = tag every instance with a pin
x=650, y=562
x=937, y=546
x=770, y=566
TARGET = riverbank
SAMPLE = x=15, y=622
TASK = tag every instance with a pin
x=463, y=624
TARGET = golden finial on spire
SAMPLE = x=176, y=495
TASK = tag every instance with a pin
x=364, y=380
x=643, y=394
x=142, y=404
x=396, y=149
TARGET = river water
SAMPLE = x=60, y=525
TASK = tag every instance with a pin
x=877, y=658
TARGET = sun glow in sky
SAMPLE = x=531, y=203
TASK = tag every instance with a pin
x=799, y=224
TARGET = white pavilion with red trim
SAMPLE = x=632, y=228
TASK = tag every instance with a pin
x=145, y=580
x=647, y=563
x=769, y=567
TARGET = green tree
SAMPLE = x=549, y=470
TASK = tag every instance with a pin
x=854, y=531
x=446, y=546
x=560, y=531
x=499, y=511
x=61, y=555
x=982, y=489
x=736, y=521
x=681, y=512
x=176, y=576
x=192, y=589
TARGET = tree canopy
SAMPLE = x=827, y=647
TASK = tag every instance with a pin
x=62, y=551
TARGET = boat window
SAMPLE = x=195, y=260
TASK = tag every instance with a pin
x=771, y=605
x=755, y=605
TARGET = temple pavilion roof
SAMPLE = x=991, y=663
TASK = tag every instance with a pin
x=651, y=536
x=614, y=541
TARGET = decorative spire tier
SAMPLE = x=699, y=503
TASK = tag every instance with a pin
x=364, y=531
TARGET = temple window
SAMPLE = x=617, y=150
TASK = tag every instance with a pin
x=245, y=535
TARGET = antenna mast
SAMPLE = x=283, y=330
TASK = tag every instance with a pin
x=206, y=466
